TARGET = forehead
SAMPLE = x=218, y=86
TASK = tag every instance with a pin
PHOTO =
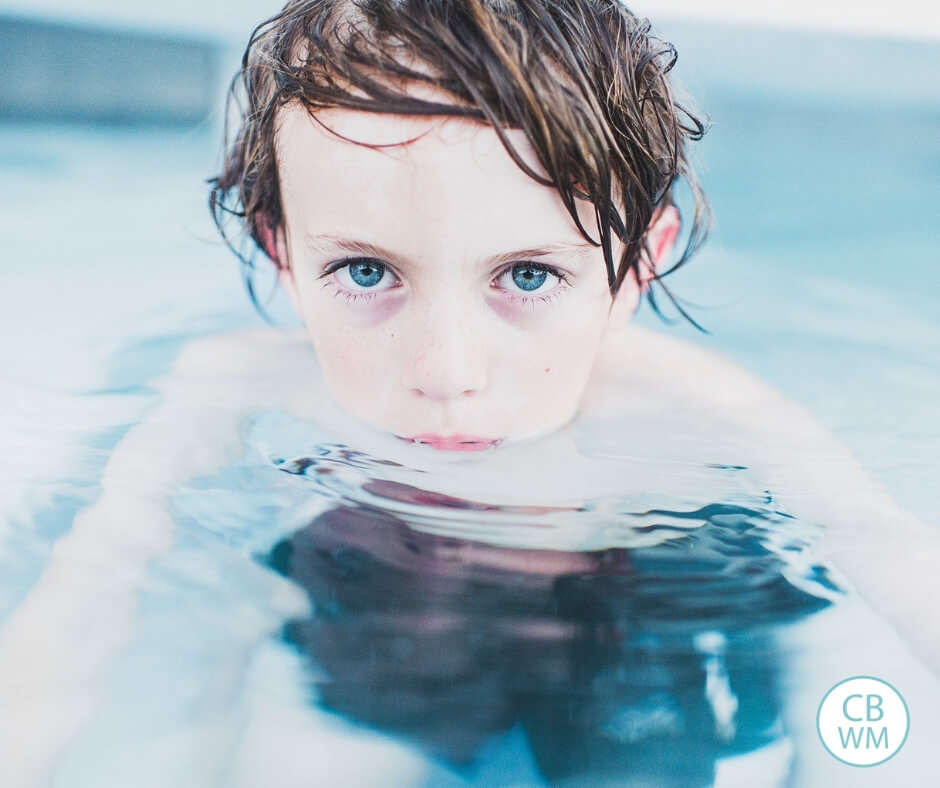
x=451, y=172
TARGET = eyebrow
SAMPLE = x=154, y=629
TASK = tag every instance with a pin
x=327, y=243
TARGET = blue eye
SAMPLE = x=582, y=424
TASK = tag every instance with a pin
x=528, y=277
x=367, y=273
x=532, y=282
x=363, y=274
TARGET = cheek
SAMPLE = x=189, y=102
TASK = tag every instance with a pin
x=552, y=367
x=353, y=358
x=567, y=363
x=567, y=339
x=354, y=342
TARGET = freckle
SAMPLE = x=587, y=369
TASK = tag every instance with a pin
x=547, y=369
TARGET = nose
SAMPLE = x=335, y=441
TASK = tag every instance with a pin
x=448, y=358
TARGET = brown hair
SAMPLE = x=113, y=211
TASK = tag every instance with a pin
x=584, y=79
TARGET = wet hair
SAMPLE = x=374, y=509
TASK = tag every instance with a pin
x=585, y=80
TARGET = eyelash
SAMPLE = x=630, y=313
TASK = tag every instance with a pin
x=341, y=292
x=514, y=298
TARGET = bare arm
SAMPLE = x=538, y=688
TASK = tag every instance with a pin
x=890, y=556
x=56, y=645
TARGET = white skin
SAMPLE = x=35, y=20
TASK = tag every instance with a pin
x=454, y=353
x=430, y=331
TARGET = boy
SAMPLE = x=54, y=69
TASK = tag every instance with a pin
x=465, y=201
x=379, y=151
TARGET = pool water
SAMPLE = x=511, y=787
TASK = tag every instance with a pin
x=314, y=615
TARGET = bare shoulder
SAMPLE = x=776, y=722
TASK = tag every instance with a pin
x=216, y=382
x=262, y=353
x=883, y=550
x=684, y=369
x=786, y=443
x=704, y=383
x=243, y=370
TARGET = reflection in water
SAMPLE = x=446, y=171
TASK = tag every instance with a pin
x=638, y=665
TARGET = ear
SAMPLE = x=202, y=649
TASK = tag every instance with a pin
x=660, y=239
x=274, y=245
x=664, y=229
x=285, y=273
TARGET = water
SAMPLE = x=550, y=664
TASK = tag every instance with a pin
x=650, y=658
x=303, y=612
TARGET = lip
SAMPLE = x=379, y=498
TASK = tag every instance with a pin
x=454, y=442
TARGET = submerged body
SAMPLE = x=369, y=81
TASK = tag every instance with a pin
x=464, y=271
x=199, y=428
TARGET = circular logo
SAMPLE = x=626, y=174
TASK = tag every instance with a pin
x=863, y=721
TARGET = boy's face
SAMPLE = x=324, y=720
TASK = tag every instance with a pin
x=450, y=298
